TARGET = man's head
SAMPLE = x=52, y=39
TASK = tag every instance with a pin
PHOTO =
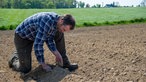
x=66, y=23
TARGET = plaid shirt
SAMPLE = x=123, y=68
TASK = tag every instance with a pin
x=40, y=28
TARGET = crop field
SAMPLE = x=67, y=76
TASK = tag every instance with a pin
x=10, y=18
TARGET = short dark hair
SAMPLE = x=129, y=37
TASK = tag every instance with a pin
x=69, y=20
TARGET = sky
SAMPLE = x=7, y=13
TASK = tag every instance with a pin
x=121, y=2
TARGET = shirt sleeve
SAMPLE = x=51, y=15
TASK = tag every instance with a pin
x=38, y=47
x=45, y=33
x=40, y=38
x=50, y=42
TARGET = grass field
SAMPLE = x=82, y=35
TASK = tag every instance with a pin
x=10, y=18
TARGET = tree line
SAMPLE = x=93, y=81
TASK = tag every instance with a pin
x=51, y=4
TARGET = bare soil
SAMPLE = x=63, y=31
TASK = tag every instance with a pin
x=104, y=54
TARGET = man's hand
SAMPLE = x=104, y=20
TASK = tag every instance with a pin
x=59, y=60
x=46, y=67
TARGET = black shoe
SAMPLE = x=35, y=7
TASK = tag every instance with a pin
x=71, y=67
x=14, y=62
x=11, y=60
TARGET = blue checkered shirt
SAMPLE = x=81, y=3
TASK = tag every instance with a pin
x=40, y=28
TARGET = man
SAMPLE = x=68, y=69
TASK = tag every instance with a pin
x=42, y=27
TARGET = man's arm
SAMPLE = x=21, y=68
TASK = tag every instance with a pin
x=39, y=51
x=59, y=59
x=38, y=47
x=51, y=45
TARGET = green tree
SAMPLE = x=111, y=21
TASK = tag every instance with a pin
x=38, y=3
x=2, y=3
x=8, y=4
x=87, y=6
x=81, y=4
x=65, y=3
x=96, y=6
x=51, y=5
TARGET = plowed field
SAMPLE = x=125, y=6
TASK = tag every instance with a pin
x=104, y=54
